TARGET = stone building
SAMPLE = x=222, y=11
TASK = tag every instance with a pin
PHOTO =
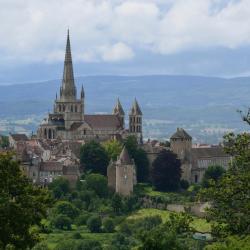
x=122, y=174
x=195, y=160
x=69, y=121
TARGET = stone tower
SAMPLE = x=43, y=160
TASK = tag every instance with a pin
x=118, y=110
x=68, y=105
x=135, y=121
x=181, y=144
x=122, y=174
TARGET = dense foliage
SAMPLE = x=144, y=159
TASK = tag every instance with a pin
x=230, y=195
x=212, y=173
x=22, y=205
x=166, y=172
x=113, y=149
x=94, y=157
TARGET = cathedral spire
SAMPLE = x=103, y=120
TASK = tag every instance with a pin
x=135, y=110
x=118, y=110
x=68, y=83
x=82, y=93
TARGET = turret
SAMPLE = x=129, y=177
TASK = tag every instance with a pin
x=135, y=120
x=118, y=110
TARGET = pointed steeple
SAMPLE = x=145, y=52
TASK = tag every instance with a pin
x=68, y=83
x=124, y=157
x=135, y=110
x=82, y=93
x=118, y=110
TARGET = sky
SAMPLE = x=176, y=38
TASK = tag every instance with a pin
x=124, y=37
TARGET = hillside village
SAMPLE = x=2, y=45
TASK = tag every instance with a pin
x=55, y=149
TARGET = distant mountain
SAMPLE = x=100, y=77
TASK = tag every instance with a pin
x=206, y=106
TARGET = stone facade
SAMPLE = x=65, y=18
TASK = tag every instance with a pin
x=122, y=174
x=69, y=121
x=195, y=160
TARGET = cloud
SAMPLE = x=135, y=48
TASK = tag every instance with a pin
x=112, y=30
x=117, y=52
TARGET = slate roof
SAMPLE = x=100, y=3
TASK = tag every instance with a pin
x=19, y=137
x=103, y=121
x=51, y=166
x=181, y=134
x=118, y=108
x=208, y=152
x=135, y=110
x=124, y=157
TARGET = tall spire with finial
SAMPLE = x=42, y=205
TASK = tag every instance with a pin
x=68, y=83
x=82, y=93
x=118, y=110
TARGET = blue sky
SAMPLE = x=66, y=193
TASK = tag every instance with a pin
x=195, y=37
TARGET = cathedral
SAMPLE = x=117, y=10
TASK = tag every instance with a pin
x=69, y=121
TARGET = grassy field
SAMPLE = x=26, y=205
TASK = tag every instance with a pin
x=198, y=224
x=57, y=236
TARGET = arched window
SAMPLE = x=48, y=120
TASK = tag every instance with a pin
x=76, y=108
x=60, y=108
x=71, y=108
x=45, y=132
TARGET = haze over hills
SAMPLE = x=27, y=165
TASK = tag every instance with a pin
x=205, y=106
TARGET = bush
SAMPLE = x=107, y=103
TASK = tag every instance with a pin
x=66, y=208
x=88, y=245
x=62, y=222
x=108, y=225
x=82, y=219
x=184, y=184
x=76, y=236
x=41, y=246
x=94, y=224
x=66, y=245
x=59, y=187
x=97, y=183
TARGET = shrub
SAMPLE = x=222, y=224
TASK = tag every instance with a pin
x=88, y=245
x=66, y=208
x=94, y=224
x=108, y=225
x=97, y=183
x=82, y=219
x=62, y=222
x=41, y=246
x=66, y=245
x=76, y=236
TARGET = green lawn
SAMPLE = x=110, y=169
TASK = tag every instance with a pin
x=57, y=236
x=200, y=225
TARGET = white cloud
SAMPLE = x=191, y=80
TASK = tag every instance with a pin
x=117, y=52
x=35, y=30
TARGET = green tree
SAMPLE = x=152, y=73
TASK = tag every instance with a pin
x=116, y=203
x=230, y=194
x=108, y=225
x=22, y=205
x=212, y=173
x=113, y=149
x=140, y=157
x=166, y=172
x=66, y=208
x=59, y=187
x=97, y=183
x=4, y=141
x=94, y=157
x=94, y=224
x=62, y=221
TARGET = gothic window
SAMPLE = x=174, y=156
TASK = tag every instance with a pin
x=75, y=108
x=60, y=108
x=63, y=108
x=71, y=108
x=84, y=131
x=45, y=132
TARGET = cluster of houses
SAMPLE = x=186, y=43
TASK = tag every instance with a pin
x=55, y=150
